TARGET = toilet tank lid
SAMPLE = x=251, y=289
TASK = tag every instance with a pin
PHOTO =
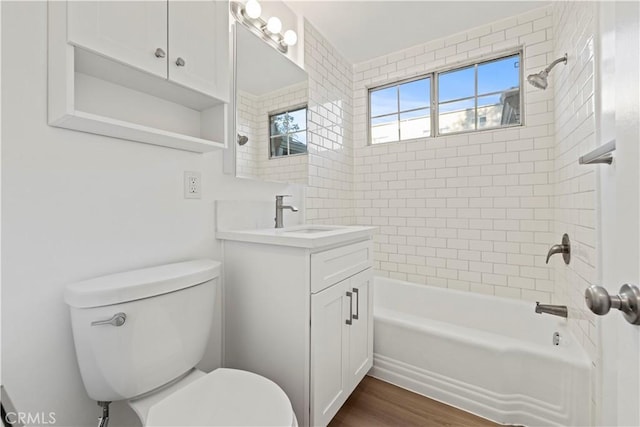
x=138, y=284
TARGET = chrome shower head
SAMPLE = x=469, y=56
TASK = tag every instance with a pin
x=242, y=139
x=539, y=80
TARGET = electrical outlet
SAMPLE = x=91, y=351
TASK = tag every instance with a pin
x=192, y=185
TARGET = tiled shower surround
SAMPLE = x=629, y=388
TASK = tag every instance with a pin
x=469, y=211
x=475, y=211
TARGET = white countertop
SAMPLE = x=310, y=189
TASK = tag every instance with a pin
x=301, y=236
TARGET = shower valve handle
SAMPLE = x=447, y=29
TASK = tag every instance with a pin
x=627, y=301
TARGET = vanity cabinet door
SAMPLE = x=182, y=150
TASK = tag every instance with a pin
x=199, y=46
x=128, y=32
x=330, y=309
x=361, y=330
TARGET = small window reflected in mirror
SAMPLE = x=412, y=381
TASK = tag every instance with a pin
x=288, y=132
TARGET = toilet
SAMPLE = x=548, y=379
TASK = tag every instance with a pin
x=138, y=337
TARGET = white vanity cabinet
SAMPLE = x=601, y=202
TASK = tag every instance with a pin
x=341, y=343
x=150, y=71
x=300, y=314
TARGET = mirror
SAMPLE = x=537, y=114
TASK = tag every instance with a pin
x=271, y=112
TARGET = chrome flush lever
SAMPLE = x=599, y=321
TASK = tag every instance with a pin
x=118, y=319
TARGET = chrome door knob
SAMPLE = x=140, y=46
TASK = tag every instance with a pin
x=160, y=53
x=627, y=301
x=180, y=62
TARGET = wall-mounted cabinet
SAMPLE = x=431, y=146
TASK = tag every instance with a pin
x=155, y=71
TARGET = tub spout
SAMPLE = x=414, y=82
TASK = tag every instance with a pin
x=556, y=310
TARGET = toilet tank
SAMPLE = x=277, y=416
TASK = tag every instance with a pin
x=169, y=312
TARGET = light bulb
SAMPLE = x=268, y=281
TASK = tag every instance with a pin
x=253, y=9
x=274, y=25
x=290, y=37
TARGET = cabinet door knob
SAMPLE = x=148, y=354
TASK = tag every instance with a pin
x=160, y=53
x=180, y=62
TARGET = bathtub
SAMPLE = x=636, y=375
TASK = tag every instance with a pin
x=490, y=356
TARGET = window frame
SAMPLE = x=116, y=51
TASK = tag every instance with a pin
x=434, y=105
x=293, y=108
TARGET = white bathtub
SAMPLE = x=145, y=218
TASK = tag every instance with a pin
x=490, y=356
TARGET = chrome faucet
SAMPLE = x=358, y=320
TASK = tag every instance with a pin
x=280, y=207
x=556, y=310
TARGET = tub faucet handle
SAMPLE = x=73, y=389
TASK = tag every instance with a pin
x=564, y=248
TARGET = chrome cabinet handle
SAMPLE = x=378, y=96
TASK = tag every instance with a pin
x=355, y=291
x=180, y=62
x=160, y=53
x=118, y=319
x=349, y=320
x=627, y=301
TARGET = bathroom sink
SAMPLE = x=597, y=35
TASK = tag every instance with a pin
x=310, y=229
x=304, y=236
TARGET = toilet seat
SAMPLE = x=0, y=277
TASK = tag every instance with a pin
x=224, y=397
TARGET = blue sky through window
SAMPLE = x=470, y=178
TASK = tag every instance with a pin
x=456, y=84
x=498, y=76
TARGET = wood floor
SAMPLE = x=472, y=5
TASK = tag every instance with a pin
x=375, y=403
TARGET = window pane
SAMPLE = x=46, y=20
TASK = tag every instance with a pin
x=489, y=111
x=415, y=94
x=415, y=124
x=384, y=129
x=298, y=142
x=384, y=101
x=298, y=120
x=456, y=84
x=457, y=116
x=279, y=146
x=278, y=124
x=499, y=110
x=500, y=75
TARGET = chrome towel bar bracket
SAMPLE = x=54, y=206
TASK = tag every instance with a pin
x=601, y=154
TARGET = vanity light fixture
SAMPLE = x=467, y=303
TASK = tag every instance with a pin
x=269, y=31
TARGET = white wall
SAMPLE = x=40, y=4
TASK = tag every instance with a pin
x=469, y=211
x=74, y=206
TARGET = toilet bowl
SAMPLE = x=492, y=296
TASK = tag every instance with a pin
x=138, y=336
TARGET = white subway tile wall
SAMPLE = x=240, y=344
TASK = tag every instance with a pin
x=471, y=211
x=329, y=197
x=252, y=159
x=575, y=196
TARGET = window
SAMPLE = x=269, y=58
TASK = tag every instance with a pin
x=484, y=95
x=401, y=111
x=288, y=132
